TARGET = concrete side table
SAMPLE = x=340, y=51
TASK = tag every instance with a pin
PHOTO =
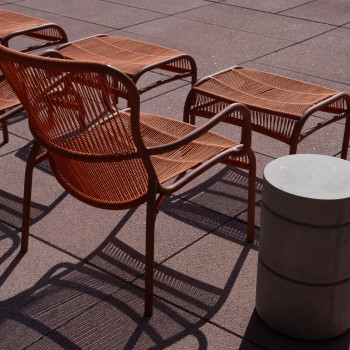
x=303, y=284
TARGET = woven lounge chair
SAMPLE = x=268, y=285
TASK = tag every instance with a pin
x=279, y=106
x=132, y=57
x=12, y=26
x=111, y=158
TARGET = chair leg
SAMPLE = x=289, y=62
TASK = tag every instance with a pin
x=12, y=112
x=344, y=151
x=251, y=196
x=27, y=195
x=5, y=132
x=150, y=227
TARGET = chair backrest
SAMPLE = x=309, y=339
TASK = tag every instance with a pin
x=74, y=112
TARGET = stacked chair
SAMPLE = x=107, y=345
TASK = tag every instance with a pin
x=42, y=34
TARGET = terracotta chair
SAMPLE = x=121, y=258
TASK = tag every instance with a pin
x=13, y=26
x=132, y=57
x=112, y=158
x=280, y=106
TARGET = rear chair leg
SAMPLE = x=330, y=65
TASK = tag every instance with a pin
x=251, y=196
x=27, y=195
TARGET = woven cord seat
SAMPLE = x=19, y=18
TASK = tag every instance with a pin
x=111, y=158
x=14, y=25
x=132, y=57
x=279, y=105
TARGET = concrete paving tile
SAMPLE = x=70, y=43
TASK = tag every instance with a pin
x=323, y=11
x=273, y=6
x=18, y=126
x=215, y=338
x=95, y=12
x=45, y=187
x=244, y=217
x=111, y=236
x=118, y=323
x=223, y=189
x=208, y=37
x=50, y=288
x=163, y=6
x=202, y=278
x=8, y=149
x=314, y=61
x=251, y=21
x=336, y=40
x=327, y=141
x=19, y=271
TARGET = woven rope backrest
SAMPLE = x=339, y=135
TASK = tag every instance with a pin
x=73, y=112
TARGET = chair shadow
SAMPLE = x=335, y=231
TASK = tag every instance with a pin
x=98, y=302
x=11, y=208
x=225, y=192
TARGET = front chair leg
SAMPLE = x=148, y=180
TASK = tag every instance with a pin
x=150, y=228
x=27, y=195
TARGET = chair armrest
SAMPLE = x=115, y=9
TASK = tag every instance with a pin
x=32, y=32
x=235, y=107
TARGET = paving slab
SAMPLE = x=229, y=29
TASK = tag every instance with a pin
x=20, y=271
x=230, y=270
x=273, y=6
x=252, y=21
x=313, y=61
x=178, y=224
x=323, y=11
x=95, y=12
x=50, y=289
x=7, y=150
x=336, y=40
x=210, y=37
x=163, y=6
x=119, y=325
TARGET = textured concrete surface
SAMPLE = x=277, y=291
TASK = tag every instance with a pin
x=81, y=283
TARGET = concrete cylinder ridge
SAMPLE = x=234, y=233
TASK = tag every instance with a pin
x=303, y=282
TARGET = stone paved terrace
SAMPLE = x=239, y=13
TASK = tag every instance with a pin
x=80, y=285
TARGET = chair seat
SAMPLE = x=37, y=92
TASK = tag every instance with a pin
x=279, y=105
x=121, y=184
x=263, y=91
x=12, y=22
x=127, y=55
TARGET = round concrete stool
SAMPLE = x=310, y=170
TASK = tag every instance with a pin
x=303, y=283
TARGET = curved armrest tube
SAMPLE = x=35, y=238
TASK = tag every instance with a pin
x=246, y=130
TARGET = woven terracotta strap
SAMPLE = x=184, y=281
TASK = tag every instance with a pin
x=266, y=92
x=127, y=55
x=11, y=22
